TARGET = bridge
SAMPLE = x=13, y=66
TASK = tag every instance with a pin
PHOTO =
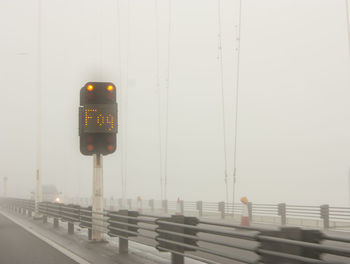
x=175, y=131
x=182, y=236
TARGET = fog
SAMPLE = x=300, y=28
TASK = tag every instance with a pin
x=293, y=139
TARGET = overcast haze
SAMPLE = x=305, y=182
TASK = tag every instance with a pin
x=293, y=116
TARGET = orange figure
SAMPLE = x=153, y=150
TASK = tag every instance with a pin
x=245, y=212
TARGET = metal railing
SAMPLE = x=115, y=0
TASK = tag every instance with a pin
x=323, y=216
x=203, y=240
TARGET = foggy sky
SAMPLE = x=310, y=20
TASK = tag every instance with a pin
x=293, y=113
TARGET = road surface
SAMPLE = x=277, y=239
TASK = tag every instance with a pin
x=18, y=246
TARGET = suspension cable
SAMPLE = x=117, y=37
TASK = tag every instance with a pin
x=126, y=105
x=347, y=22
x=38, y=188
x=238, y=40
x=121, y=92
x=100, y=39
x=221, y=84
x=167, y=105
x=119, y=41
x=156, y=17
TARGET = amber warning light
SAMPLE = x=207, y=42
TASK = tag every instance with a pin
x=90, y=87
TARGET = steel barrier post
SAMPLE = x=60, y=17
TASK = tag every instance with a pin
x=177, y=259
x=89, y=234
x=282, y=212
x=250, y=211
x=120, y=203
x=182, y=207
x=291, y=233
x=221, y=209
x=70, y=228
x=44, y=219
x=111, y=204
x=324, y=210
x=129, y=201
x=200, y=208
x=165, y=206
x=151, y=204
x=123, y=246
x=55, y=222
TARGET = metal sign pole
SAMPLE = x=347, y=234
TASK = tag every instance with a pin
x=97, y=198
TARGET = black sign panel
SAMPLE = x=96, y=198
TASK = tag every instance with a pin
x=98, y=120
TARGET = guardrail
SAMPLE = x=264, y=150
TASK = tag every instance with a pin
x=206, y=241
x=323, y=216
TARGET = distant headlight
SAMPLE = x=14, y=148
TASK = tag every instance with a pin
x=57, y=200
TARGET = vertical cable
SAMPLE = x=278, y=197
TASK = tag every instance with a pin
x=38, y=194
x=221, y=78
x=119, y=42
x=126, y=106
x=238, y=39
x=121, y=92
x=348, y=31
x=167, y=105
x=159, y=97
x=347, y=23
x=349, y=186
x=38, y=150
x=100, y=38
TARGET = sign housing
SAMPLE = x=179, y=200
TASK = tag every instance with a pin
x=98, y=119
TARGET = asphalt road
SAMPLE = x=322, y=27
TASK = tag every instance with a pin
x=17, y=246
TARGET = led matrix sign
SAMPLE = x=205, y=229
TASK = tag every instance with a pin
x=100, y=118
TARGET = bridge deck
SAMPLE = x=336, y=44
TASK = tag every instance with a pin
x=19, y=246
